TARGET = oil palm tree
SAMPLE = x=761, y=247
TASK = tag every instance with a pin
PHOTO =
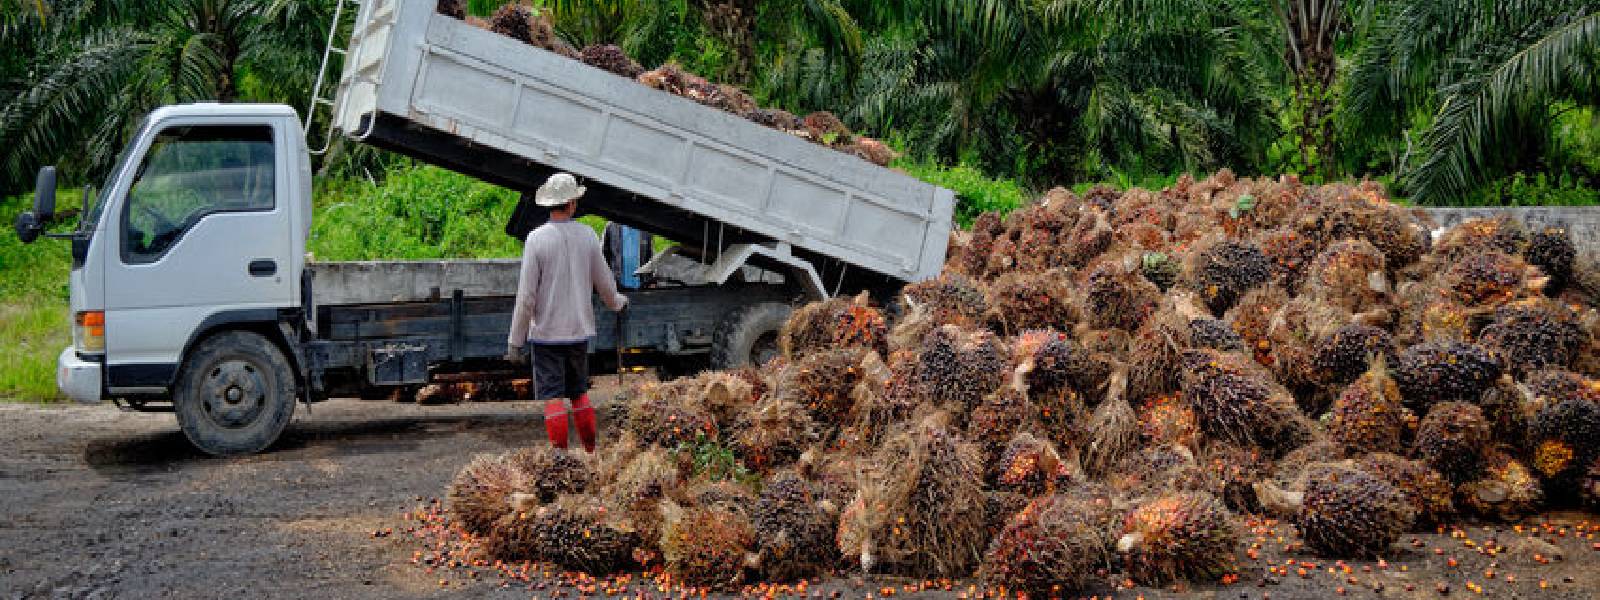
x=98, y=65
x=1476, y=81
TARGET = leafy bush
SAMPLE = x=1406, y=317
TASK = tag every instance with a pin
x=1522, y=189
x=976, y=193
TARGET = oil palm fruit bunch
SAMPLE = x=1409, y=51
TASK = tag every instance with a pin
x=993, y=422
x=1030, y=300
x=1031, y=466
x=609, y=57
x=949, y=299
x=822, y=382
x=1430, y=495
x=1565, y=439
x=1156, y=348
x=1350, y=274
x=706, y=547
x=1345, y=512
x=1238, y=402
x=1452, y=439
x=958, y=368
x=726, y=495
x=1589, y=487
x=639, y=487
x=999, y=506
x=1225, y=271
x=1188, y=535
x=792, y=530
x=1049, y=549
x=575, y=532
x=552, y=472
x=862, y=326
x=1160, y=269
x=1349, y=352
x=455, y=9
x=1155, y=467
x=1294, y=334
x=1534, y=334
x=1436, y=372
x=1113, y=428
x=1167, y=419
x=481, y=492
x=1214, y=334
x=1551, y=249
x=773, y=433
x=1039, y=240
x=1506, y=491
x=1369, y=414
x=1088, y=238
x=1252, y=319
x=1116, y=296
x=1503, y=234
x=1052, y=364
x=1490, y=279
x=1290, y=254
x=668, y=414
x=921, y=510
x=812, y=327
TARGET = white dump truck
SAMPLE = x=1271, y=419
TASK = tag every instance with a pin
x=191, y=290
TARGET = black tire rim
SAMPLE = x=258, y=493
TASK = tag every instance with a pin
x=234, y=393
x=765, y=349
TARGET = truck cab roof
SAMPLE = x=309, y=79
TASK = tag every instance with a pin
x=217, y=109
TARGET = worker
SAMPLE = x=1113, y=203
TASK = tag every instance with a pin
x=554, y=316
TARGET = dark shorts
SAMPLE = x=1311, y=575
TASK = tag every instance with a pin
x=560, y=370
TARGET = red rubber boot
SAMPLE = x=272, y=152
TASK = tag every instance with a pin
x=555, y=422
x=583, y=416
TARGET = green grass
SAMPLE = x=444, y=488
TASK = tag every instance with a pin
x=34, y=324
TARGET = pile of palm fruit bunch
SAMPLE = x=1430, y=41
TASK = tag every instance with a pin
x=1105, y=388
x=530, y=25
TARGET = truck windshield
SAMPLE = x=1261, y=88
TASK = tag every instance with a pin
x=92, y=206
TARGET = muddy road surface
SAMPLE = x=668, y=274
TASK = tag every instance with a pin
x=99, y=503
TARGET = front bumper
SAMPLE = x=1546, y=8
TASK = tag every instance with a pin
x=77, y=378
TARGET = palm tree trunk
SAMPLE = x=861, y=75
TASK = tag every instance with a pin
x=1312, y=27
x=734, y=22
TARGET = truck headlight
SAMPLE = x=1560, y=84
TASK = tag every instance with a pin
x=89, y=331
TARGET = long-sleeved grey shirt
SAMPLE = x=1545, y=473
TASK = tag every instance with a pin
x=561, y=264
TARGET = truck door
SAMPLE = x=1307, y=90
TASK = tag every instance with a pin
x=204, y=232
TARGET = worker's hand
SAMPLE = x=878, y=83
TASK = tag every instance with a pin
x=622, y=303
x=515, y=355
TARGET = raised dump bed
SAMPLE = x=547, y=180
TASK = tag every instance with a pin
x=446, y=92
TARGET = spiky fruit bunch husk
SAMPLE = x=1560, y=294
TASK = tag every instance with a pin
x=1488, y=279
x=1002, y=256
x=726, y=495
x=1294, y=333
x=993, y=422
x=1187, y=536
x=949, y=299
x=1353, y=213
x=706, y=547
x=959, y=368
x=481, y=492
x=1113, y=427
x=1290, y=254
x=999, y=506
x=1369, y=415
x=1149, y=239
x=639, y=487
x=1252, y=318
x=811, y=328
x=1049, y=549
x=1436, y=372
x=577, y=533
x=1564, y=438
x=552, y=471
x=775, y=118
x=1160, y=269
x=1555, y=385
x=729, y=394
x=1507, y=491
x=1349, y=513
x=1088, y=238
x=1053, y=365
x=1225, y=271
x=1428, y=491
x=1156, y=353
x=670, y=413
x=1508, y=406
x=1438, y=321
x=1039, y=240
x=1551, y=249
x=1502, y=234
x=514, y=21
x=885, y=396
x=1239, y=403
x=1452, y=439
x=1230, y=472
x=1349, y=352
x=1350, y=274
x=1589, y=486
x=1214, y=334
x=1535, y=334
x=1155, y=467
x=862, y=326
x=1031, y=466
x=455, y=9
x=1116, y=296
x=1023, y=301
x=609, y=57
x=774, y=433
x=1168, y=419
x=822, y=382
x=792, y=532
x=926, y=503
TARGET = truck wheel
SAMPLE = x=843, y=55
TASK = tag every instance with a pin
x=749, y=336
x=235, y=394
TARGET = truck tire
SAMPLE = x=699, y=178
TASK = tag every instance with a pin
x=749, y=336
x=235, y=394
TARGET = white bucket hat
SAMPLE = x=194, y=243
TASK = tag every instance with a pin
x=560, y=189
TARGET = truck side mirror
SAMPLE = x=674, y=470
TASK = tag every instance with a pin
x=44, y=195
x=31, y=224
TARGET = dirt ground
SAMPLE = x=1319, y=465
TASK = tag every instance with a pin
x=101, y=503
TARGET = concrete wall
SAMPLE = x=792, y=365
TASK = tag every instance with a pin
x=1582, y=222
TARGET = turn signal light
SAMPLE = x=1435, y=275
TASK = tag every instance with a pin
x=89, y=331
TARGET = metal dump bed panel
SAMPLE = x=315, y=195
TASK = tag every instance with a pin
x=407, y=61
